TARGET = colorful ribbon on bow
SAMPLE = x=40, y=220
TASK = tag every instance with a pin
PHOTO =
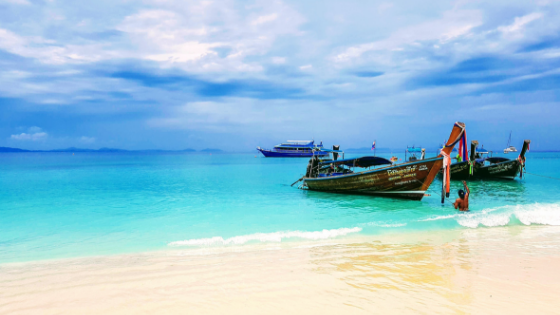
x=446, y=172
x=463, y=151
x=521, y=161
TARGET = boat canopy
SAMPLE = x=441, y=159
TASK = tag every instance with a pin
x=414, y=150
x=365, y=161
x=299, y=142
x=482, y=151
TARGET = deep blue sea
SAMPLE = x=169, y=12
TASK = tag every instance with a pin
x=57, y=205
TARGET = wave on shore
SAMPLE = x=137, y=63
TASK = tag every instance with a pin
x=267, y=237
x=543, y=214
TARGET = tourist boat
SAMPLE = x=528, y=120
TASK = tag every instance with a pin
x=408, y=180
x=294, y=148
x=509, y=147
x=481, y=165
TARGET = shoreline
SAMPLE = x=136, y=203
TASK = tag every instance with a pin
x=492, y=269
x=384, y=235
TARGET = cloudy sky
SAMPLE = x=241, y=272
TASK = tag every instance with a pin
x=170, y=74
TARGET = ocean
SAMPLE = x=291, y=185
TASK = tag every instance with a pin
x=60, y=205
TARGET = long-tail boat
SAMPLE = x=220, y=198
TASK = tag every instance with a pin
x=408, y=180
x=500, y=167
x=479, y=167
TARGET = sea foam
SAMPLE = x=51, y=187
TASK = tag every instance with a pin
x=544, y=214
x=267, y=237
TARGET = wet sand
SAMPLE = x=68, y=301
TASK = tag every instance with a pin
x=498, y=270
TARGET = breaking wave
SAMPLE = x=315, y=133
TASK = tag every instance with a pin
x=544, y=214
x=537, y=213
x=275, y=237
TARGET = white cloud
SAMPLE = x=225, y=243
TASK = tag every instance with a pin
x=34, y=129
x=192, y=35
x=233, y=41
x=451, y=25
x=175, y=34
x=278, y=60
x=21, y=2
x=265, y=19
x=520, y=22
x=48, y=51
x=33, y=134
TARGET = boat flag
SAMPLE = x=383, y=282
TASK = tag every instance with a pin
x=373, y=146
x=463, y=151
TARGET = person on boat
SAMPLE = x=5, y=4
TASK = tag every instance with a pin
x=462, y=203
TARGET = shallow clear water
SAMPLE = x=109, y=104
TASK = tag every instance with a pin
x=55, y=205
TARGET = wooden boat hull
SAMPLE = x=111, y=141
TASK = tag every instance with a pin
x=407, y=180
x=505, y=170
x=459, y=171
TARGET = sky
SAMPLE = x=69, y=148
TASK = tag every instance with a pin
x=234, y=75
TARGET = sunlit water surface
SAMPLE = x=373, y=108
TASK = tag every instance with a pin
x=56, y=205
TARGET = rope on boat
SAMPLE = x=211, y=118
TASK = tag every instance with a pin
x=436, y=193
x=451, y=203
x=296, y=181
x=542, y=176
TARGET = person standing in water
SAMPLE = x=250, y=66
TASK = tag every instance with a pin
x=462, y=203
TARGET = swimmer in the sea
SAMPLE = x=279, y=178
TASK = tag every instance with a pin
x=462, y=203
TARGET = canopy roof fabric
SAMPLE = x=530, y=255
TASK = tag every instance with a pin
x=413, y=149
x=365, y=161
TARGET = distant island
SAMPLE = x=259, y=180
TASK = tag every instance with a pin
x=108, y=150
x=208, y=150
x=212, y=151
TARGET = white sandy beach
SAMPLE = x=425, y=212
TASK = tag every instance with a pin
x=510, y=270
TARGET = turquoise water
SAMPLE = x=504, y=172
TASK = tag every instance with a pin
x=56, y=205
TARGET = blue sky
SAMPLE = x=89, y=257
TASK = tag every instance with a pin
x=169, y=74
